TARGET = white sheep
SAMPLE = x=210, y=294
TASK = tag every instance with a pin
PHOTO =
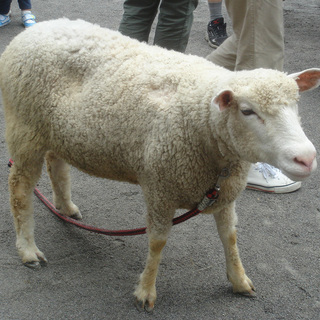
x=115, y=108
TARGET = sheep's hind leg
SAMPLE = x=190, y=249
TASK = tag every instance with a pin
x=226, y=221
x=59, y=172
x=22, y=180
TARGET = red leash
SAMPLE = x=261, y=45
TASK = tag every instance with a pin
x=210, y=197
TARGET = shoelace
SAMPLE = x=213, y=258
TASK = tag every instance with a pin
x=3, y=17
x=28, y=16
x=267, y=170
x=218, y=30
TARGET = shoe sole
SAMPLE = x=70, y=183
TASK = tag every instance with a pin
x=28, y=26
x=3, y=25
x=209, y=42
x=283, y=189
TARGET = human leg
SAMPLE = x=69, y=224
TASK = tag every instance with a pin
x=258, y=37
x=216, y=30
x=226, y=54
x=215, y=9
x=28, y=19
x=174, y=24
x=258, y=27
x=138, y=17
x=5, y=7
x=4, y=12
x=24, y=4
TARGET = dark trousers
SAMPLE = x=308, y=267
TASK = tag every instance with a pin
x=6, y=4
x=174, y=21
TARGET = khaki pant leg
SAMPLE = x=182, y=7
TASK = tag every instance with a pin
x=226, y=54
x=258, y=39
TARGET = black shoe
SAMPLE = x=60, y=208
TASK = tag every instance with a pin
x=216, y=32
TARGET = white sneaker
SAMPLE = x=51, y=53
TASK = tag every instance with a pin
x=264, y=177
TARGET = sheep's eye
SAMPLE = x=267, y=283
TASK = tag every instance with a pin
x=247, y=112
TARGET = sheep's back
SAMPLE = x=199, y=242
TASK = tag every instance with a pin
x=100, y=95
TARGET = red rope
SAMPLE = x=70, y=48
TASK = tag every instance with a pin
x=131, y=232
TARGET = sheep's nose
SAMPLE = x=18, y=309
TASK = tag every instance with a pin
x=306, y=162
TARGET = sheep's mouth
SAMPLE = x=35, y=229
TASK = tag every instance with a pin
x=298, y=167
x=297, y=177
x=300, y=173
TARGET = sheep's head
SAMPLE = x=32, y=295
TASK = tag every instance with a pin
x=262, y=119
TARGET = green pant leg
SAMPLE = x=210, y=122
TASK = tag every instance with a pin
x=138, y=17
x=174, y=24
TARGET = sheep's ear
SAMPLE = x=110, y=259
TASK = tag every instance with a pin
x=307, y=79
x=223, y=100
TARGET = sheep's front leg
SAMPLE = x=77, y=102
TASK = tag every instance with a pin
x=59, y=172
x=159, y=223
x=22, y=179
x=226, y=221
x=146, y=291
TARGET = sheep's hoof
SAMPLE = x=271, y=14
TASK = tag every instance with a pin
x=36, y=265
x=244, y=287
x=249, y=294
x=249, y=291
x=76, y=216
x=145, y=298
x=144, y=306
x=34, y=260
x=71, y=211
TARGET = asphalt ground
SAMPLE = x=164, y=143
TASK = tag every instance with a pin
x=92, y=276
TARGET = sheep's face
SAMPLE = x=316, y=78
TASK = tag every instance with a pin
x=276, y=138
x=263, y=122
